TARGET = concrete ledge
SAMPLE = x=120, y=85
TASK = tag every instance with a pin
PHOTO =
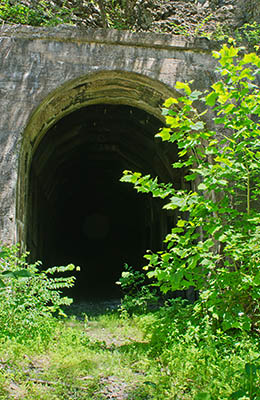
x=67, y=33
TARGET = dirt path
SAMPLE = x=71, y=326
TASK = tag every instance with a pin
x=114, y=337
x=94, y=354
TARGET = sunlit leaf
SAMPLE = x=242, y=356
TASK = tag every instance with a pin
x=164, y=134
x=184, y=86
x=211, y=99
x=202, y=186
x=170, y=101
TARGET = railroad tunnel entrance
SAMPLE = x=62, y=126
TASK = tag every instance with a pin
x=79, y=211
x=72, y=208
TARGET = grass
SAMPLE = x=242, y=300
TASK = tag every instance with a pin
x=158, y=355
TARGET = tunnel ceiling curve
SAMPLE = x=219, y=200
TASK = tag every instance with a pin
x=100, y=133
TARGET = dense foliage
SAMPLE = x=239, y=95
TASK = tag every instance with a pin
x=113, y=14
x=187, y=343
x=215, y=246
x=138, y=295
x=181, y=351
x=42, y=13
x=30, y=296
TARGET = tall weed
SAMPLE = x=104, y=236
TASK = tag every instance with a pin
x=28, y=301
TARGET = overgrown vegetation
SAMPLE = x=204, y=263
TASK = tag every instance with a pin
x=42, y=13
x=160, y=355
x=116, y=14
x=215, y=245
x=206, y=350
x=138, y=295
x=30, y=297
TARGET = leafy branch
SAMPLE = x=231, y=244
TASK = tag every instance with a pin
x=216, y=247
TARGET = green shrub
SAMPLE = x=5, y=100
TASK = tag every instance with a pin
x=42, y=13
x=203, y=363
x=249, y=33
x=215, y=245
x=138, y=296
x=29, y=296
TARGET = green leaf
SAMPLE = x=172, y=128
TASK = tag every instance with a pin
x=184, y=86
x=227, y=53
x=2, y=285
x=211, y=99
x=177, y=230
x=8, y=274
x=170, y=101
x=202, y=396
x=246, y=73
x=202, y=186
x=238, y=394
x=250, y=58
x=164, y=134
x=223, y=182
x=257, y=279
x=3, y=254
x=178, y=164
x=229, y=108
x=222, y=238
x=224, y=160
x=23, y=273
x=130, y=177
x=150, y=384
x=195, y=95
x=193, y=261
x=191, y=177
x=197, y=126
x=219, y=88
x=220, y=120
x=182, y=152
x=174, y=122
x=177, y=201
x=181, y=223
x=250, y=369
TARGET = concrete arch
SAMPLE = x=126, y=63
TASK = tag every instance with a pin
x=134, y=96
x=105, y=87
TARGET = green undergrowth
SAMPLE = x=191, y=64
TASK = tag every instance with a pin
x=41, y=13
x=52, y=350
x=162, y=354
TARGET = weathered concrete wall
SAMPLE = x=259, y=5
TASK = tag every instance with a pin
x=36, y=62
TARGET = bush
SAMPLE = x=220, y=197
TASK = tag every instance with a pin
x=42, y=13
x=211, y=364
x=29, y=296
x=215, y=245
x=138, y=296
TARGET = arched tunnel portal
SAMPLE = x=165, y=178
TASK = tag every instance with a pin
x=78, y=211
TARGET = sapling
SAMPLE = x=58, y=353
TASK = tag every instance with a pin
x=215, y=245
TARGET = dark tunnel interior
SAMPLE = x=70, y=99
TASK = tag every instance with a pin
x=78, y=210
